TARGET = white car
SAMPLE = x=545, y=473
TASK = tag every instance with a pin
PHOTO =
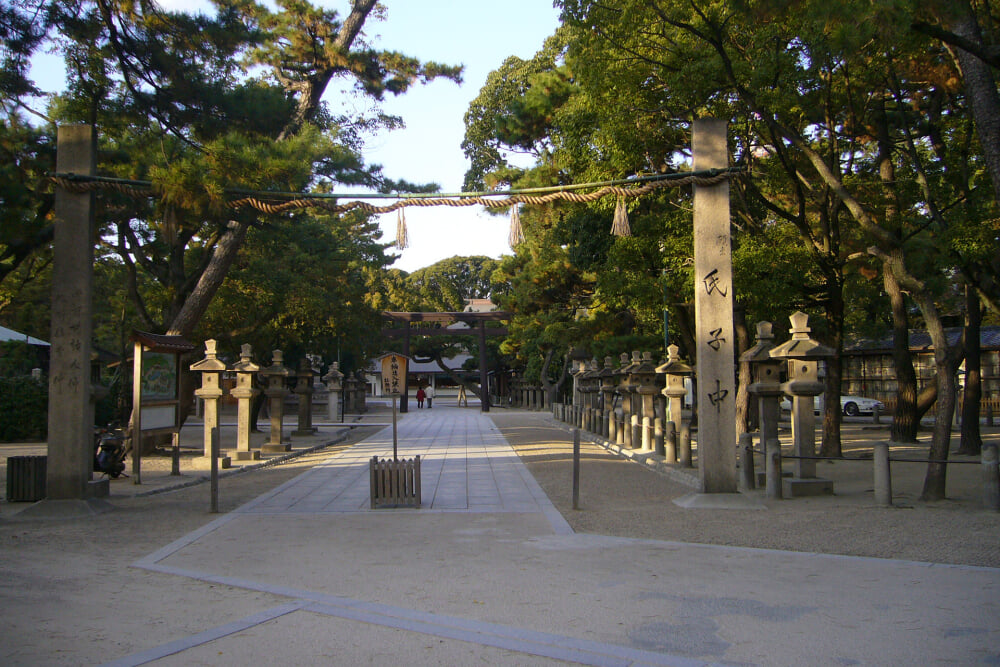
x=852, y=406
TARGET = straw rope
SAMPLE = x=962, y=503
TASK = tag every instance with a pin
x=267, y=204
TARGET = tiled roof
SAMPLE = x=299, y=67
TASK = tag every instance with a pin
x=920, y=341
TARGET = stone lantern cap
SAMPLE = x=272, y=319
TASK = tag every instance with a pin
x=674, y=365
x=801, y=347
x=592, y=371
x=608, y=371
x=643, y=374
x=765, y=343
x=644, y=366
x=277, y=366
x=245, y=364
x=334, y=373
x=211, y=363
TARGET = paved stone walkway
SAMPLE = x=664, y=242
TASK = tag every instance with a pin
x=487, y=572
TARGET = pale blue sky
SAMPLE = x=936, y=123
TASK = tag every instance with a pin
x=476, y=33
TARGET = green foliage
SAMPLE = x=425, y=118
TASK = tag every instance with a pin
x=17, y=358
x=24, y=404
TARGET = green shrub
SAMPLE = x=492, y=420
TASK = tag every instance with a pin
x=24, y=405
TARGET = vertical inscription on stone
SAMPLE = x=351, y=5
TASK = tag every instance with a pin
x=714, y=314
x=71, y=413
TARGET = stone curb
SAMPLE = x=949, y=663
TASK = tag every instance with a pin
x=249, y=468
x=649, y=460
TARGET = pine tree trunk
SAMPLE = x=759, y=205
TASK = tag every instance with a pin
x=905, y=420
x=831, y=445
x=971, y=441
x=745, y=414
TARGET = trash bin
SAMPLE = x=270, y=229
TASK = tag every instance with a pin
x=26, y=478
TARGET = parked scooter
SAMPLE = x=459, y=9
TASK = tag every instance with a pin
x=109, y=452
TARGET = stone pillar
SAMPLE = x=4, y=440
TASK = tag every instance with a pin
x=713, y=303
x=71, y=410
x=803, y=356
x=304, y=390
x=276, y=392
x=244, y=393
x=334, y=379
x=211, y=369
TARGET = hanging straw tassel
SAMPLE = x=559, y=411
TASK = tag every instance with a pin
x=401, y=240
x=516, y=232
x=620, y=225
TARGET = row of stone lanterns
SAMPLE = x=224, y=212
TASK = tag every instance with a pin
x=649, y=417
x=275, y=376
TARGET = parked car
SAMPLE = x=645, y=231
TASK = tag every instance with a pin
x=852, y=406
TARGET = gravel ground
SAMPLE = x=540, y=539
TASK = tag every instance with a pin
x=622, y=498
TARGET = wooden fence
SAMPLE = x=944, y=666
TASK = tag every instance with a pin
x=395, y=482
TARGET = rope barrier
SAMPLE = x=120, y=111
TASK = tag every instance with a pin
x=265, y=201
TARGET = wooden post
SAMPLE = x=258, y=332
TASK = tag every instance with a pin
x=576, y=469
x=136, y=425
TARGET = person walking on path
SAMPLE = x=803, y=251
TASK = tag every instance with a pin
x=430, y=396
x=420, y=397
x=461, y=396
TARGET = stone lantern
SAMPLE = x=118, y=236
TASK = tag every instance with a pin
x=276, y=392
x=351, y=394
x=304, y=390
x=607, y=380
x=591, y=387
x=675, y=371
x=765, y=372
x=211, y=369
x=625, y=391
x=803, y=355
x=244, y=392
x=578, y=370
x=643, y=379
x=334, y=383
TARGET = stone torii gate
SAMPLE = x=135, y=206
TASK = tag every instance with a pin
x=477, y=326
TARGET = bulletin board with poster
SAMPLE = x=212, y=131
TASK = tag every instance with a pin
x=155, y=387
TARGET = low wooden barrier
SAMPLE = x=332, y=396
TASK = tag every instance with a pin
x=395, y=482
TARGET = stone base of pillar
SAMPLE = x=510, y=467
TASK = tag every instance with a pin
x=762, y=477
x=271, y=449
x=224, y=462
x=811, y=486
x=252, y=455
x=305, y=431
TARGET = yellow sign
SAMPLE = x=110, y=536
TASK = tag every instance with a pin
x=393, y=373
